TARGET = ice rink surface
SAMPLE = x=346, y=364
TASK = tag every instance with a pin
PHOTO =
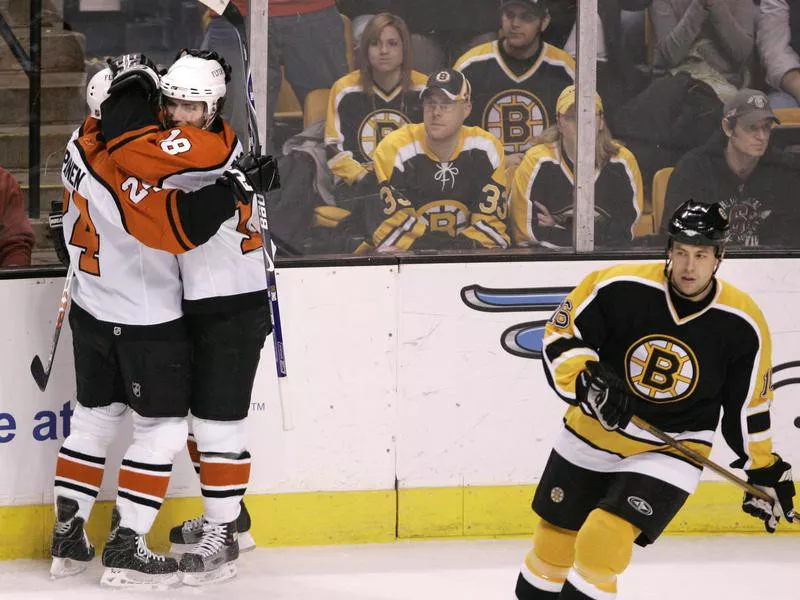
x=691, y=568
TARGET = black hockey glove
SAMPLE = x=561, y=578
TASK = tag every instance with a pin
x=601, y=393
x=57, y=231
x=134, y=69
x=251, y=174
x=777, y=481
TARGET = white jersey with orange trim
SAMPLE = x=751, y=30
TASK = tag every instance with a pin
x=230, y=265
x=684, y=363
x=117, y=278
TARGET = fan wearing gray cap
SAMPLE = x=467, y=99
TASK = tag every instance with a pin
x=754, y=186
x=517, y=79
x=442, y=184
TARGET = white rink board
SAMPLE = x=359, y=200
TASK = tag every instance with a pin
x=390, y=375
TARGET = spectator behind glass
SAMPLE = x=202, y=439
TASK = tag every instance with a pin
x=221, y=36
x=16, y=234
x=712, y=40
x=442, y=184
x=755, y=187
x=517, y=79
x=779, y=45
x=542, y=192
x=306, y=38
x=367, y=105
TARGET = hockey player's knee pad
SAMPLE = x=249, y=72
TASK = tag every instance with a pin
x=219, y=436
x=98, y=426
x=162, y=437
x=604, y=547
x=553, y=545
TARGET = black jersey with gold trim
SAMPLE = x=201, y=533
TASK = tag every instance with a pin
x=544, y=184
x=463, y=197
x=357, y=121
x=516, y=108
x=682, y=372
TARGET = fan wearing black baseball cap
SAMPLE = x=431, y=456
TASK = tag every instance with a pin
x=442, y=184
x=753, y=183
x=517, y=79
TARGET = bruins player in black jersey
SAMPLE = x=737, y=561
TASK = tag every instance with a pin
x=442, y=185
x=676, y=346
x=518, y=78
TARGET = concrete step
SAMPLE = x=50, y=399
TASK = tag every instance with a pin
x=17, y=13
x=61, y=51
x=62, y=98
x=50, y=187
x=14, y=146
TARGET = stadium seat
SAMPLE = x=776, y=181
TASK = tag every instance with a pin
x=316, y=106
x=788, y=116
x=660, y=181
x=644, y=226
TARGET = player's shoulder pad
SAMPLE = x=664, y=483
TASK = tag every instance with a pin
x=351, y=80
x=733, y=297
x=478, y=138
x=557, y=56
x=648, y=274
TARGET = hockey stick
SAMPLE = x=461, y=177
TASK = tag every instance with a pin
x=699, y=458
x=229, y=11
x=40, y=372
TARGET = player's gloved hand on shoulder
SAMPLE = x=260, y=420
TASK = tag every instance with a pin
x=134, y=69
x=250, y=174
x=54, y=220
x=776, y=480
x=601, y=393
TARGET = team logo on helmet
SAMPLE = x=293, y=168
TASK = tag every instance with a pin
x=376, y=126
x=661, y=369
x=515, y=117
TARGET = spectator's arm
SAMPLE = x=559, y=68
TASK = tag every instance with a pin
x=488, y=224
x=735, y=24
x=780, y=61
x=340, y=161
x=16, y=233
x=522, y=211
x=675, y=33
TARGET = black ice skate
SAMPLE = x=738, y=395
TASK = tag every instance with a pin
x=213, y=558
x=130, y=563
x=70, y=549
x=188, y=533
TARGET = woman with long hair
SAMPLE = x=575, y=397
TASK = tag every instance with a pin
x=543, y=187
x=368, y=104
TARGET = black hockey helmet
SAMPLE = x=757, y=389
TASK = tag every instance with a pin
x=699, y=224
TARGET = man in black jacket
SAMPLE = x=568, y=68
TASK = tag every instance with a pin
x=734, y=168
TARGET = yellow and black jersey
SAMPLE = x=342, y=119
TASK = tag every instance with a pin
x=512, y=99
x=544, y=184
x=463, y=197
x=357, y=121
x=682, y=371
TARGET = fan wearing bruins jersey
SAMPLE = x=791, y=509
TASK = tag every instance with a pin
x=517, y=79
x=367, y=105
x=543, y=188
x=677, y=347
x=224, y=288
x=131, y=347
x=442, y=185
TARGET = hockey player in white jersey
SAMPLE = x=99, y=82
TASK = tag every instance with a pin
x=225, y=297
x=131, y=348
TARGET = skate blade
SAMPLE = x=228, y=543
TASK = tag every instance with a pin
x=246, y=542
x=223, y=573
x=128, y=578
x=66, y=567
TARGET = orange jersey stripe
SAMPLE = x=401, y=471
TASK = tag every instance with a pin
x=194, y=455
x=68, y=469
x=152, y=485
x=222, y=474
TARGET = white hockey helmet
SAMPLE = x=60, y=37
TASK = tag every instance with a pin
x=198, y=79
x=97, y=91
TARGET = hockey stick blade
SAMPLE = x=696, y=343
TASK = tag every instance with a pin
x=40, y=376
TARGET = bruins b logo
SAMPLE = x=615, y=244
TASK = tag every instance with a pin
x=515, y=117
x=661, y=369
x=376, y=126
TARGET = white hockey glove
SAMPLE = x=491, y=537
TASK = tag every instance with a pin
x=775, y=480
x=134, y=69
x=602, y=394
